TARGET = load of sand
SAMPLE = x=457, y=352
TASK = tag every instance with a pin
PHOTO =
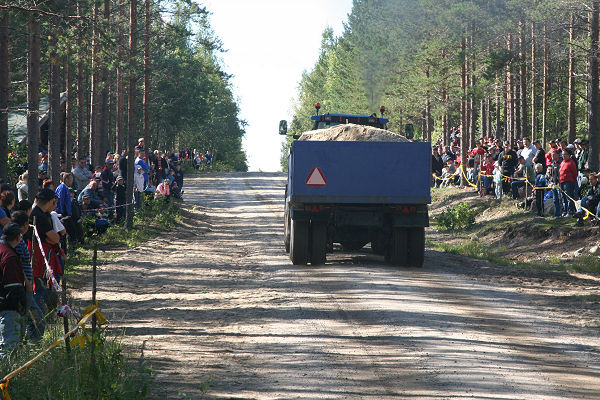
x=353, y=133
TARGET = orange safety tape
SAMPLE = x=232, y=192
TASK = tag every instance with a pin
x=7, y=378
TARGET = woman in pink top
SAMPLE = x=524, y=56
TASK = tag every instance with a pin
x=164, y=189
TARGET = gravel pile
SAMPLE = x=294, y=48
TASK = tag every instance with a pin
x=352, y=133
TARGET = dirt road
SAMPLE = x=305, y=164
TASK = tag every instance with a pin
x=219, y=300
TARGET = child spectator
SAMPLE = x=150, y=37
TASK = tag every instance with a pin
x=164, y=189
x=498, y=180
x=138, y=182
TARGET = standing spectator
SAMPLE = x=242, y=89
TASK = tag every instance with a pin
x=554, y=173
x=179, y=177
x=22, y=186
x=81, y=174
x=540, y=155
x=63, y=192
x=45, y=202
x=508, y=162
x=139, y=162
x=139, y=187
x=487, y=175
x=540, y=182
x=437, y=164
x=120, y=190
x=108, y=180
x=498, y=180
x=123, y=164
x=12, y=295
x=529, y=151
x=568, y=181
x=35, y=329
x=208, y=158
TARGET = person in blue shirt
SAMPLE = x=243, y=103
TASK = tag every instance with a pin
x=139, y=162
x=63, y=205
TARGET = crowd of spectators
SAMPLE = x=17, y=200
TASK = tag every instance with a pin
x=56, y=214
x=553, y=181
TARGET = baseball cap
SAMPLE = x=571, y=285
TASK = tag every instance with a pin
x=570, y=146
x=577, y=140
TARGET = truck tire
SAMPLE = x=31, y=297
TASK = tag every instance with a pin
x=398, y=250
x=318, y=243
x=299, y=242
x=416, y=247
x=286, y=233
x=348, y=245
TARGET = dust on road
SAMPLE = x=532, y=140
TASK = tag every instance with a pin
x=219, y=301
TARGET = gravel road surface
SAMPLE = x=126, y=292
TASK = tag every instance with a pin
x=218, y=301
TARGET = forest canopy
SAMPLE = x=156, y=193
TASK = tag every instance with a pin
x=503, y=68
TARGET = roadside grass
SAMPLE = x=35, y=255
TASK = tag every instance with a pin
x=59, y=375
x=70, y=376
x=502, y=219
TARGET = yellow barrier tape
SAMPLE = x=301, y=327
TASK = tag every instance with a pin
x=93, y=309
x=588, y=213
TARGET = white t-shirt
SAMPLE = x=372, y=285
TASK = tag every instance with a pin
x=56, y=224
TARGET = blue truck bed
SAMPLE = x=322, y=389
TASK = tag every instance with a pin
x=359, y=172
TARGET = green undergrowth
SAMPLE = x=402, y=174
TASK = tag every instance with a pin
x=483, y=228
x=72, y=376
x=59, y=375
x=153, y=219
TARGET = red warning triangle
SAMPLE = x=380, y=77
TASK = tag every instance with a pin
x=316, y=178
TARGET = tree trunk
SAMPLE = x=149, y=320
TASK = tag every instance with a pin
x=120, y=126
x=545, y=78
x=524, y=128
x=509, y=115
x=33, y=104
x=594, y=121
x=54, y=130
x=68, y=112
x=499, y=133
x=4, y=93
x=483, y=114
x=94, y=100
x=131, y=133
x=534, y=121
x=473, y=108
x=102, y=141
x=80, y=141
x=571, y=126
x=464, y=141
x=147, y=75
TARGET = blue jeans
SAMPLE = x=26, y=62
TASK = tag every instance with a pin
x=568, y=189
x=10, y=331
x=556, y=195
x=515, y=185
x=35, y=329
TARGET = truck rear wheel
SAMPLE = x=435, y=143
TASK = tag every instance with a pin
x=318, y=243
x=398, y=247
x=299, y=242
x=286, y=233
x=416, y=247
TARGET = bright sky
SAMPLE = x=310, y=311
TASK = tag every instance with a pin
x=270, y=43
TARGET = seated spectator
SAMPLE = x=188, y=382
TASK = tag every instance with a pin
x=163, y=189
x=526, y=169
x=449, y=173
x=591, y=201
x=91, y=192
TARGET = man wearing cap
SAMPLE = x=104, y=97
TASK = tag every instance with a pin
x=108, y=180
x=81, y=174
x=568, y=182
x=90, y=191
x=437, y=164
x=591, y=201
x=508, y=162
x=12, y=289
x=45, y=202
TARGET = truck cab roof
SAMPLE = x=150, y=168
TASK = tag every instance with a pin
x=325, y=121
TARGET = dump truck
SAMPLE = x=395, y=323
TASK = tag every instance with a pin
x=354, y=193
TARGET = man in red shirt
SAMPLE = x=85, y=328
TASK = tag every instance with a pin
x=12, y=289
x=568, y=182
